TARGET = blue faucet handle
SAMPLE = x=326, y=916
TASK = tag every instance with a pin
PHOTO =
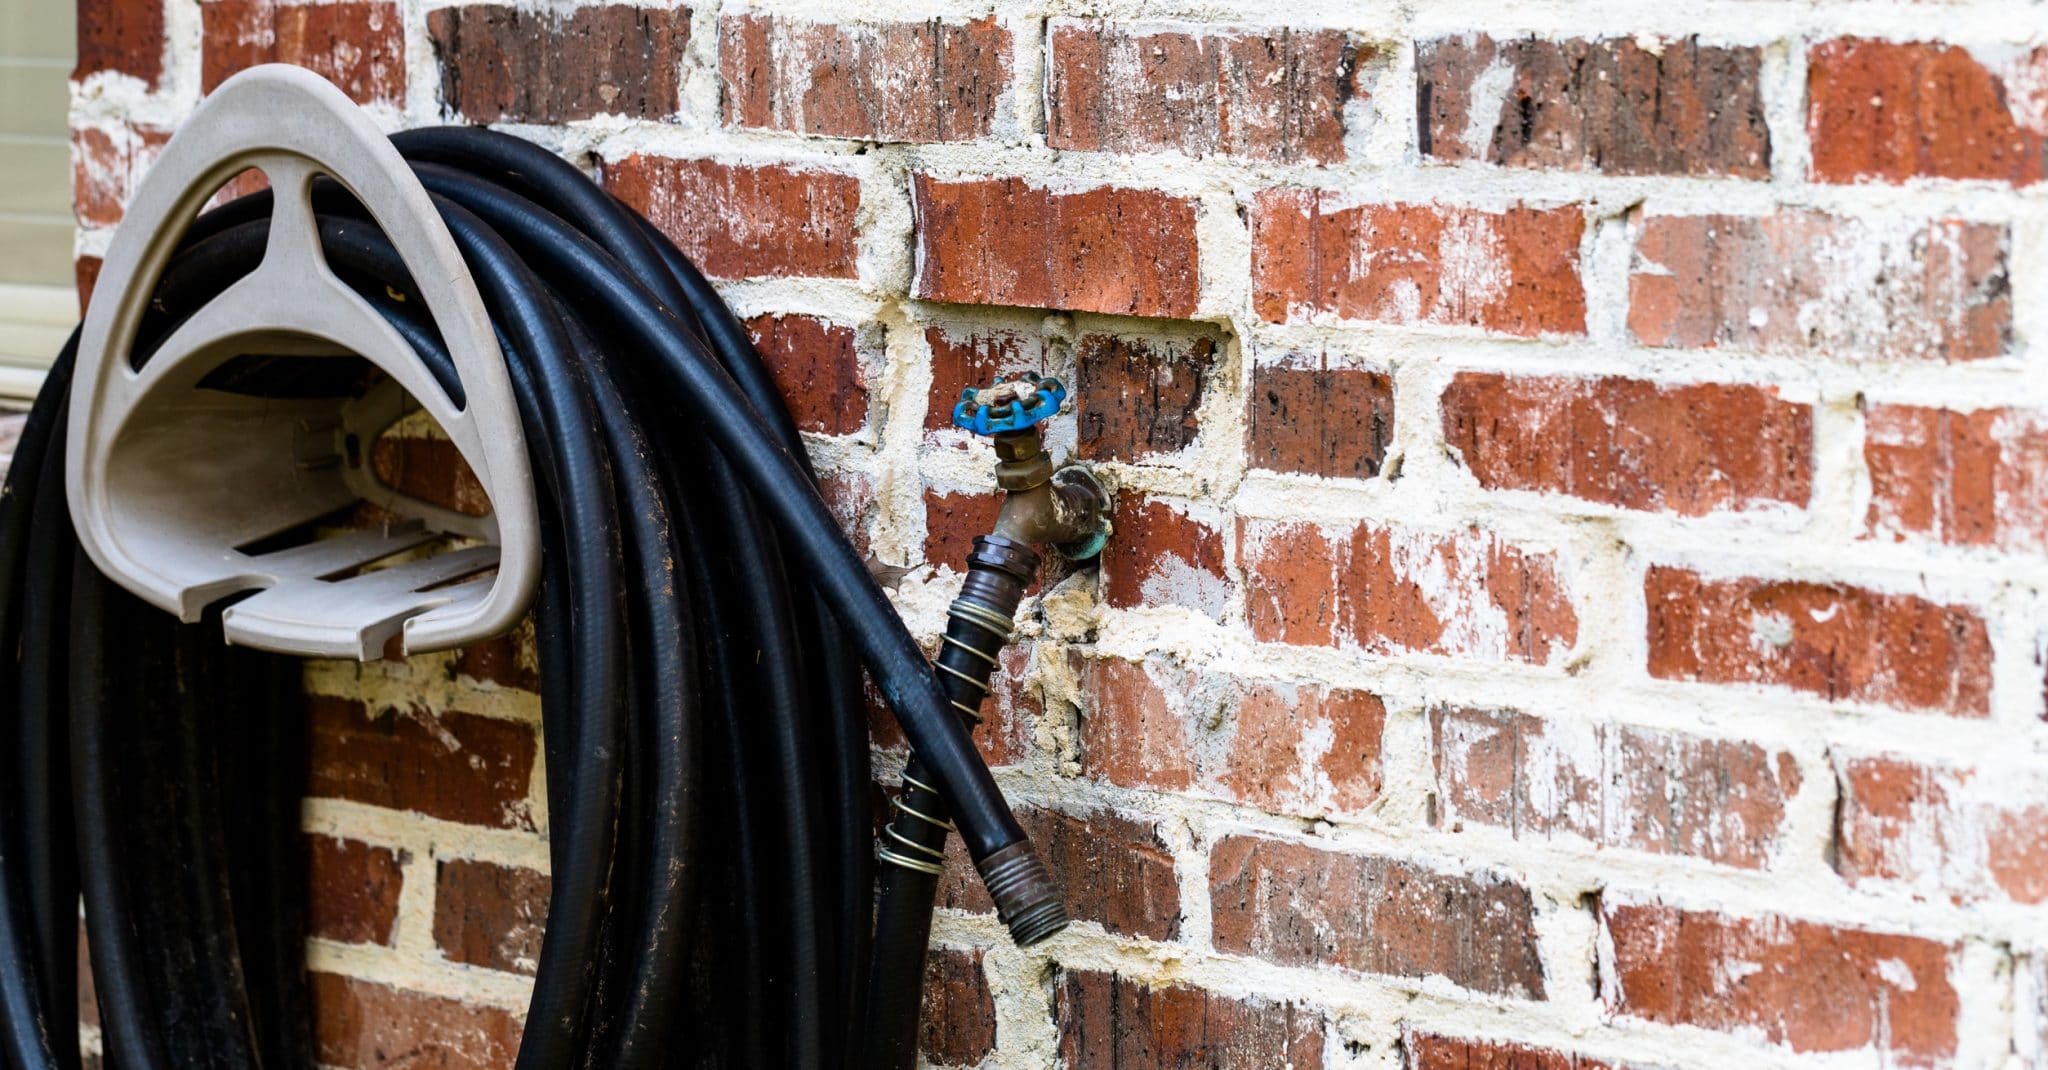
x=1008, y=405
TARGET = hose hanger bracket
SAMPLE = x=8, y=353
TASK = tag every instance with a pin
x=187, y=485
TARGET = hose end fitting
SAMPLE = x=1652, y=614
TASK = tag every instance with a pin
x=1027, y=898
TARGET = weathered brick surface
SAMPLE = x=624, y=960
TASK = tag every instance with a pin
x=958, y=1027
x=1620, y=106
x=1690, y=450
x=121, y=36
x=1119, y=873
x=817, y=365
x=357, y=46
x=1273, y=94
x=1296, y=748
x=501, y=64
x=363, y=1025
x=799, y=221
x=1294, y=904
x=966, y=356
x=1801, y=984
x=1841, y=643
x=1942, y=831
x=1163, y=556
x=1009, y=718
x=489, y=915
x=453, y=766
x=430, y=468
x=1611, y=785
x=106, y=167
x=1137, y=397
x=1008, y=241
x=1432, y=1051
x=1319, y=420
x=952, y=521
x=355, y=889
x=1891, y=111
x=1317, y=255
x=882, y=81
x=1385, y=590
x=1804, y=283
x=1959, y=478
x=1111, y=1022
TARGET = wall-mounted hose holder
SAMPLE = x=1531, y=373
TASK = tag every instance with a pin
x=188, y=485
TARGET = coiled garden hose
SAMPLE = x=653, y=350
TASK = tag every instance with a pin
x=701, y=623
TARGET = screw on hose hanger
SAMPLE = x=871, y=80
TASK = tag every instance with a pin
x=1067, y=508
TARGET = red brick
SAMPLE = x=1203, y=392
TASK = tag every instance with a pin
x=1009, y=717
x=123, y=36
x=1283, y=747
x=1297, y=905
x=354, y=889
x=1003, y=241
x=1161, y=555
x=1610, y=105
x=362, y=1025
x=490, y=915
x=1803, y=283
x=1690, y=450
x=817, y=365
x=1846, y=644
x=428, y=467
x=87, y=269
x=1136, y=398
x=453, y=766
x=851, y=499
x=509, y=660
x=1270, y=94
x=966, y=356
x=958, y=1026
x=360, y=47
x=1611, y=785
x=953, y=521
x=1894, y=111
x=1514, y=272
x=106, y=168
x=1383, y=591
x=877, y=81
x=1319, y=420
x=1431, y=1051
x=1108, y=1021
x=1943, y=831
x=502, y=64
x=739, y=221
x=1802, y=984
x=1960, y=478
x=1114, y=868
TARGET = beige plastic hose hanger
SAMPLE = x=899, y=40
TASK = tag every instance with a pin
x=186, y=490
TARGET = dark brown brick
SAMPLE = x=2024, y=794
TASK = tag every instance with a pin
x=1321, y=421
x=817, y=365
x=975, y=356
x=1137, y=397
x=1111, y=1022
x=1609, y=105
x=123, y=36
x=490, y=915
x=1275, y=94
x=454, y=766
x=880, y=81
x=1298, y=905
x=355, y=888
x=1116, y=871
x=958, y=1026
x=1430, y=1051
x=504, y=64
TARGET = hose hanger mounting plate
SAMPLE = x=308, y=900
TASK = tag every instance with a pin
x=185, y=493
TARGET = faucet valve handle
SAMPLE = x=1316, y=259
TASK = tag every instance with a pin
x=1009, y=405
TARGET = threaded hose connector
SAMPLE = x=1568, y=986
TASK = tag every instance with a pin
x=1027, y=898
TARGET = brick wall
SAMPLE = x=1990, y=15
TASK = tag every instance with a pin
x=1579, y=597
